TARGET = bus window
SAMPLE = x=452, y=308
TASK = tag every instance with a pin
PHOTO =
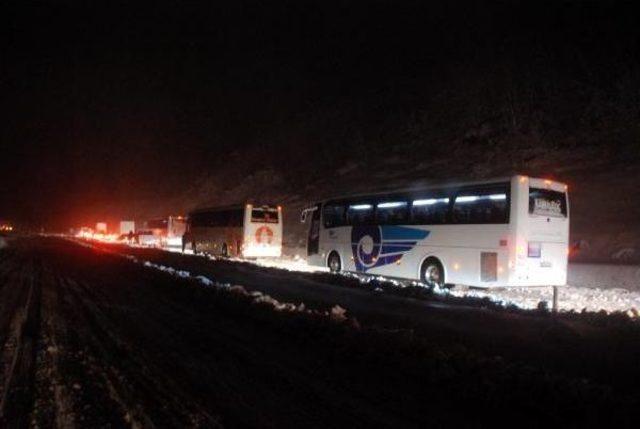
x=430, y=211
x=333, y=215
x=157, y=223
x=481, y=206
x=545, y=202
x=264, y=215
x=217, y=218
x=235, y=217
x=360, y=214
x=204, y=219
x=392, y=213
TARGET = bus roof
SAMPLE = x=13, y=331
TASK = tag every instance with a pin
x=236, y=206
x=416, y=189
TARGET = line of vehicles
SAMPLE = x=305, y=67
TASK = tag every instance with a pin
x=512, y=231
x=5, y=226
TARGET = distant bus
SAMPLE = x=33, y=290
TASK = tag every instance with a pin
x=176, y=227
x=159, y=225
x=504, y=232
x=166, y=231
x=152, y=232
x=241, y=231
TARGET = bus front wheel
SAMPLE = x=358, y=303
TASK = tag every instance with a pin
x=334, y=262
x=432, y=273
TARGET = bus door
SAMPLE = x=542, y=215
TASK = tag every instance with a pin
x=313, y=240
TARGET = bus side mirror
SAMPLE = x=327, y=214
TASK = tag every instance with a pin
x=303, y=216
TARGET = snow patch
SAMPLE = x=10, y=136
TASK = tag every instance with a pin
x=289, y=264
x=169, y=270
x=336, y=314
x=205, y=280
x=570, y=298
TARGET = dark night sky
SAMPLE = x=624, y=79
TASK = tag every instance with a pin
x=101, y=104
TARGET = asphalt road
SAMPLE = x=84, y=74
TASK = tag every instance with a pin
x=91, y=339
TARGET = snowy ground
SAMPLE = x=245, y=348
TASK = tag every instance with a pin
x=591, y=287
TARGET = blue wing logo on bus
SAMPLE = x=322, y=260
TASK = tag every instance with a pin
x=374, y=246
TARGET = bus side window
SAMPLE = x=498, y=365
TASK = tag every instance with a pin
x=360, y=214
x=481, y=207
x=219, y=218
x=235, y=218
x=392, y=213
x=333, y=215
x=430, y=211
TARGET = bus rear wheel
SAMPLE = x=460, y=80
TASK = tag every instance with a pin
x=334, y=262
x=432, y=273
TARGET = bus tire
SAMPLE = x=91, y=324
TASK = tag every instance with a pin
x=432, y=273
x=334, y=263
x=225, y=250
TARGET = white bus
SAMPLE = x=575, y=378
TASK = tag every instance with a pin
x=504, y=232
x=240, y=231
x=163, y=231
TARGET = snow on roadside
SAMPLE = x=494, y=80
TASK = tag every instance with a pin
x=169, y=270
x=290, y=264
x=592, y=288
x=596, y=291
x=570, y=298
x=336, y=313
x=295, y=263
